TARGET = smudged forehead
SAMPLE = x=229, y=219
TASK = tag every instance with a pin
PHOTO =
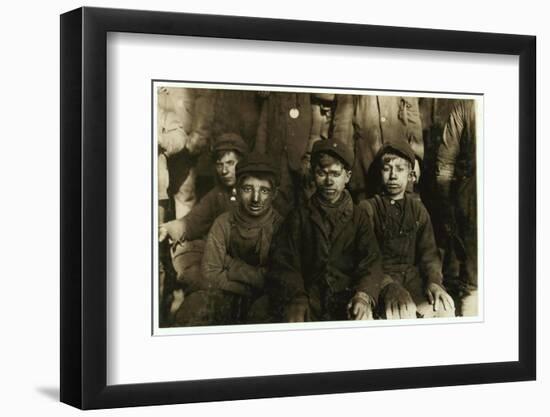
x=256, y=181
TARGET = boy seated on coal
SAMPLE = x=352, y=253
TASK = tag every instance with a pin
x=412, y=267
x=325, y=261
x=236, y=252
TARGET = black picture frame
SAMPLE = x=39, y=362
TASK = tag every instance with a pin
x=84, y=207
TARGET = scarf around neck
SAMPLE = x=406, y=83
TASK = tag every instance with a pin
x=252, y=227
x=332, y=213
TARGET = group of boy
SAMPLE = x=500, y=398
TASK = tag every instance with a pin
x=328, y=259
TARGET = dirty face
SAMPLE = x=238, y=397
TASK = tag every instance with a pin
x=331, y=180
x=255, y=195
x=396, y=174
x=225, y=168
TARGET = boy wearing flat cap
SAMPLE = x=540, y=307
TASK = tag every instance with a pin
x=236, y=253
x=412, y=267
x=325, y=261
x=228, y=149
x=187, y=234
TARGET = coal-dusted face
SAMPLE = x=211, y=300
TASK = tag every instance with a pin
x=225, y=168
x=255, y=195
x=331, y=178
x=396, y=174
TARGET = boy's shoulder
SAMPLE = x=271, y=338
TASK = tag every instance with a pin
x=222, y=223
x=371, y=205
x=417, y=205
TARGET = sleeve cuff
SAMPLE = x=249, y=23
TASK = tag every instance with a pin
x=436, y=279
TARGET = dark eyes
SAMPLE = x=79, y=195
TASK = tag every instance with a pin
x=248, y=189
x=332, y=174
x=398, y=168
x=229, y=163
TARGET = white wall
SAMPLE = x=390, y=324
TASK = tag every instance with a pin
x=29, y=304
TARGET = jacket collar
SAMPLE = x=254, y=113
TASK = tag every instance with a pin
x=344, y=215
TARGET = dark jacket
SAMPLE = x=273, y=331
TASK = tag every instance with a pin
x=434, y=113
x=284, y=134
x=405, y=236
x=279, y=134
x=323, y=272
x=237, y=111
x=201, y=217
x=456, y=179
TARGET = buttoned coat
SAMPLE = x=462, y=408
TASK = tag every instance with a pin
x=310, y=267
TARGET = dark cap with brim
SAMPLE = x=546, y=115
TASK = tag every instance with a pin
x=230, y=142
x=335, y=148
x=400, y=148
x=256, y=163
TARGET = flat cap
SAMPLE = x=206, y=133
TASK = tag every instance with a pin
x=335, y=148
x=398, y=147
x=257, y=163
x=230, y=142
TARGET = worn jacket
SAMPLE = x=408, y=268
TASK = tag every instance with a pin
x=405, y=236
x=280, y=134
x=284, y=134
x=434, y=113
x=201, y=217
x=237, y=111
x=456, y=179
x=310, y=267
x=236, y=254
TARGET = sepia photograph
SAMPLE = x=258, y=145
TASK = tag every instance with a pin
x=256, y=207
x=278, y=205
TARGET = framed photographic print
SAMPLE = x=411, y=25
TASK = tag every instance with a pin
x=257, y=208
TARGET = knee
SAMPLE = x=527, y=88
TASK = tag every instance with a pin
x=426, y=310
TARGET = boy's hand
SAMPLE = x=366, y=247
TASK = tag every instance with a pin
x=360, y=307
x=399, y=303
x=174, y=229
x=438, y=296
